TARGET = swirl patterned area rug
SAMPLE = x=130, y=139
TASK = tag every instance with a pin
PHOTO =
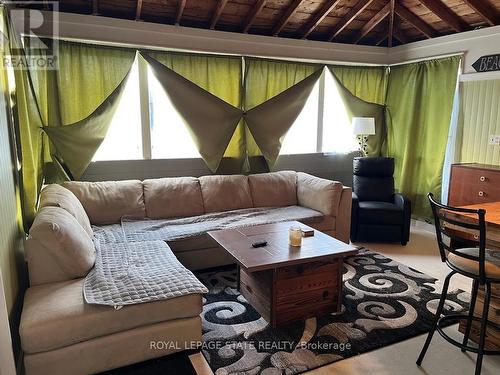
x=384, y=302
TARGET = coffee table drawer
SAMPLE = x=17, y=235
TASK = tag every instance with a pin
x=311, y=268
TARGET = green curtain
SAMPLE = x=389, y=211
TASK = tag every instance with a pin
x=210, y=120
x=28, y=123
x=265, y=79
x=87, y=75
x=220, y=76
x=363, y=91
x=78, y=102
x=368, y=83
x=270, y=121
x=419, y=105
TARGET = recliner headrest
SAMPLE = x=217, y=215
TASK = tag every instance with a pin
x=373, y=167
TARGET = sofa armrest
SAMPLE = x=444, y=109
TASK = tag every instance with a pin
x=318, y=193
x=343, y=219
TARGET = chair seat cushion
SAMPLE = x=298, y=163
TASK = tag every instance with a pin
x=56, y=315
x=380, y=213
x=491, y=265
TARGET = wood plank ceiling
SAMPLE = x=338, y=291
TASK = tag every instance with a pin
x=369, y=22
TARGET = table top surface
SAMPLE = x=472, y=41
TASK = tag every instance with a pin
x=492, y=216
x=278, y=253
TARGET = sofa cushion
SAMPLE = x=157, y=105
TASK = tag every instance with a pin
x=58, y=248
x=107, y=202
x=56, y=315
x=276, y=189
x=318, y=193
x=380, y=213
x=55, y=195
x=225, y=193
x=173, y=197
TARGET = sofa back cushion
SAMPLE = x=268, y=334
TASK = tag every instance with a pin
x=173, y=197
x=55, y=195
x=107, y=202
x=58, y=248
x=225, y=193
x=318, y=193
x=276, y=189
x=373, y=178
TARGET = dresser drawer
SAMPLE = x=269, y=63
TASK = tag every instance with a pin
x=469, y=185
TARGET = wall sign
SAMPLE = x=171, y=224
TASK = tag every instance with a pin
x=489, y=63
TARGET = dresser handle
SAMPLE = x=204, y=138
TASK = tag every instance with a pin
x=476, y=237
x=482, y=178
x=481, y=194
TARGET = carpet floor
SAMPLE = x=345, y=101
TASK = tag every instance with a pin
x=384, y=302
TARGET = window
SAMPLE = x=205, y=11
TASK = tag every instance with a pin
x=332, y=121
x=123, y=140
x=170, y=138
x=322, y=126
x=337, y=130
x=302, y=137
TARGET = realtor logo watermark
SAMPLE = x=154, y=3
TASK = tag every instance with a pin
x=38, y=46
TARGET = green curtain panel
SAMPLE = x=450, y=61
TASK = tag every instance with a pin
x=220, y=76
x=28, y=122
x=78, y=102
x=210, y=120
x=363, y=93
x=77, y=143
x=368, y=83
x=87, y=75
x=265, y=79
x=270, y=121
x=419, y=105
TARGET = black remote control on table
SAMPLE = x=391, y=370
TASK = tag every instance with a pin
x=259, y=244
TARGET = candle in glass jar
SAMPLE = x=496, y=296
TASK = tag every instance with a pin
x=295, y=236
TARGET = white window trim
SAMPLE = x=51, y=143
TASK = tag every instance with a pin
x=145, y=110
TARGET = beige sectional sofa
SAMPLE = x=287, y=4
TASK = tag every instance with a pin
x=62, y=334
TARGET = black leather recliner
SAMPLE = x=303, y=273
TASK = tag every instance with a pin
x=378, y=213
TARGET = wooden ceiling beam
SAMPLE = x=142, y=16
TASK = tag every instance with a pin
x=443, y=12
x=382, y=38
x=138, y=10
x=180, y=10
x=417, y=22
x=290, y=11
x=398, y=34
x=374, y=21
x=390, y=32
x=254, y=12
x=221, y=4
x=485, y=10
x=319, y=16
x=348, y=18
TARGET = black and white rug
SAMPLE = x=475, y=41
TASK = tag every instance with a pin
x=384, y=302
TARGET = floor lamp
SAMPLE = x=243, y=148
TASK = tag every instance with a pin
x=362, y=127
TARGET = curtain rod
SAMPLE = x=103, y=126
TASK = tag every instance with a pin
x=325, y=62
x=434, y=57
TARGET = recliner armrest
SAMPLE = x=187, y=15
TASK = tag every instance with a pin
x=405, y=204
x=401, y=201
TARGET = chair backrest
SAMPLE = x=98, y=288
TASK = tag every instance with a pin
x=459, y=225
x=373, y=178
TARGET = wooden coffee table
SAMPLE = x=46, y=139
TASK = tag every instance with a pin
x=285, y=283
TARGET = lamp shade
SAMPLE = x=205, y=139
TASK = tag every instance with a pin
x=363, y=125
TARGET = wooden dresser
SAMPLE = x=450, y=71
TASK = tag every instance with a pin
x=473, y=184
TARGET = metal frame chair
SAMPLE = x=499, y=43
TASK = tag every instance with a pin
x=477, y=225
